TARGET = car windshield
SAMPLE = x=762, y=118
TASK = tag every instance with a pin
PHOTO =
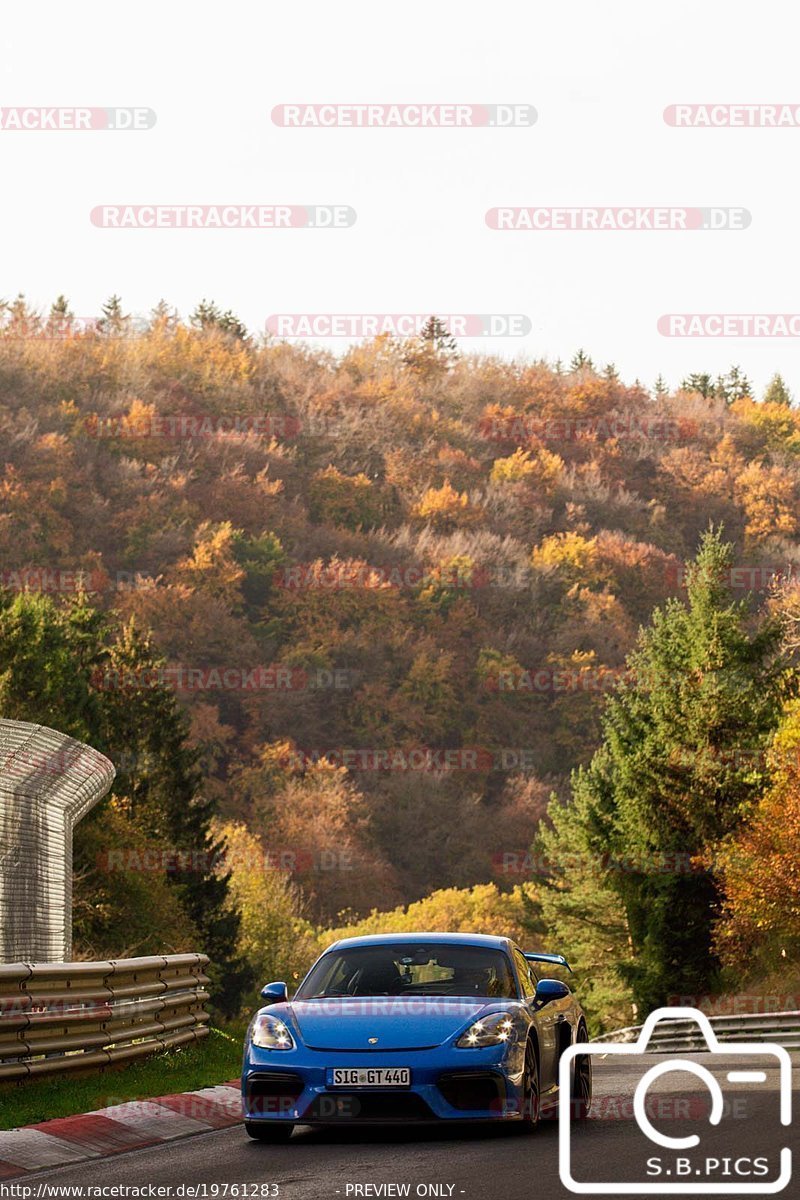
x=410, y=969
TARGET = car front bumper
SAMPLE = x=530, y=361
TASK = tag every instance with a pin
x=447, y=1084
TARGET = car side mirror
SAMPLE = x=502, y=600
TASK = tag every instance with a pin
x=274, y=993
x=551, y=989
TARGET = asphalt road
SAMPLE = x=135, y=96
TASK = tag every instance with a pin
x=478, y=1163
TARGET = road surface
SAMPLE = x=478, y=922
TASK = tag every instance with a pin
x=473, y=1163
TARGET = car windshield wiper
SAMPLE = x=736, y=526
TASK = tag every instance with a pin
x=421, y=990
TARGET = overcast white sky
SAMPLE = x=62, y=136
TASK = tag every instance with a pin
x=598, y=73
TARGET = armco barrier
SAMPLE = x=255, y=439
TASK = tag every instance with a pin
x=70, y=1016
x=669, y=1035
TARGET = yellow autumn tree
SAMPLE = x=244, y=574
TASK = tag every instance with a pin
x=212, y=566
x=768, y=496
x=445, y=509
x=275, y=939
x=480, y=909
x=514, y=469
x=570, y=555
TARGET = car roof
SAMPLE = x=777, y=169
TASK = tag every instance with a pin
x=452, y=939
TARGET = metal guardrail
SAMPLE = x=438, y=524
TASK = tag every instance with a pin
x=781, y=1027
x=70, y=1016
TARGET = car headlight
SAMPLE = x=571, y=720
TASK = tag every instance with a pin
x=270, y=1033
x=489, y=1031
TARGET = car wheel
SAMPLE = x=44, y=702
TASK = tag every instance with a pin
x=581, y=1099
x=531, y=1094
x=268, y=1131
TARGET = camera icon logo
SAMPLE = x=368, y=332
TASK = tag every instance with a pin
x=679, y=1171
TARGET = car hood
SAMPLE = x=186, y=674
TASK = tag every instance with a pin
x=402, y=1023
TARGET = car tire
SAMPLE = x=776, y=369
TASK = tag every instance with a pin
x=268, y=1131
x=531, y=1091
x=581, y=1098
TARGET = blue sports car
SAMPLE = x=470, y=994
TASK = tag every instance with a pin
x=415, y=1027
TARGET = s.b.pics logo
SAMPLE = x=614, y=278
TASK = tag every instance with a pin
x=710, y=1118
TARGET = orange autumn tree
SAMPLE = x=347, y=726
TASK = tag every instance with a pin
x=760, y=867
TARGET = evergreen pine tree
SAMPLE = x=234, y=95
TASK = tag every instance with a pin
x=699, y=382
x=581, y=362
x=163, y=316
x=208, y=315
x=113, y=322
x=777, y=392
x=433, y=352
x=436, y=334
x=577, y=906
x=40, y=679
x=733, y=386
x=160, y=781
x=20, y=319
x=679, y=768
x=60, y=315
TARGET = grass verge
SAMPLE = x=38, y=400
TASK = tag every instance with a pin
x=217, y=1059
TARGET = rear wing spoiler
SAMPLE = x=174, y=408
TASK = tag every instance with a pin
x=557, y=960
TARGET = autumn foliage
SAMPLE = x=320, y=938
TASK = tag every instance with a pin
x=390, y=590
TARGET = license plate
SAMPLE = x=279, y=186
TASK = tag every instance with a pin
x=371, y=1077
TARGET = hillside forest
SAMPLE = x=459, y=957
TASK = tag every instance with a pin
x=408, y=637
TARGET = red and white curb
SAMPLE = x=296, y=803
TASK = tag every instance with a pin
x=121, y=1127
